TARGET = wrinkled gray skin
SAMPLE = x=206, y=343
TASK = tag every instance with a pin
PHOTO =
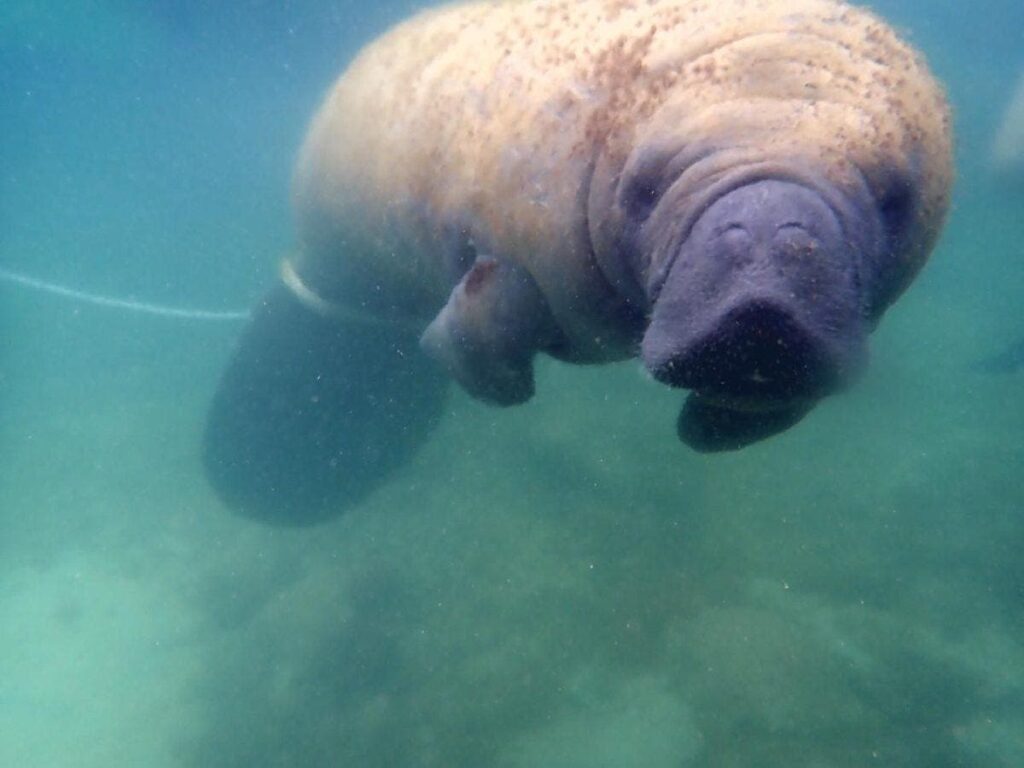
x=760, y=311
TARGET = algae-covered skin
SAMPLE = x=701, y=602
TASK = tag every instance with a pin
x=732, y=191
x=529, y=129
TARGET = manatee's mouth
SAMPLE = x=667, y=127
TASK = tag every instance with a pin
x=709, y=426
x=761, y=314
x=756, y=373
x=757, y=356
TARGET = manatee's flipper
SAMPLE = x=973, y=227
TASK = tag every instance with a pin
x=313, y=413
x=709, y=428
x=486, y=336
x=1009, y=360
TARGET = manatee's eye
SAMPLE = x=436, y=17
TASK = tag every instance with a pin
x=898, y=198
x=896, y=208
x=641, y=195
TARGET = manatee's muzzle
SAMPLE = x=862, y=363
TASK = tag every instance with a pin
x=756, y=355
x=760, y=314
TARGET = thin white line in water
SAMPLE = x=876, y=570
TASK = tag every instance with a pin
x=181, y=313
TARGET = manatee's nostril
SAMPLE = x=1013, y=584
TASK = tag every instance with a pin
x=756, y=353
x=794, y=241
x=734, y=234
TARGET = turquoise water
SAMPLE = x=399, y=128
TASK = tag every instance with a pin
x=556, y=585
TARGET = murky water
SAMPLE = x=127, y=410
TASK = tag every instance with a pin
x=560, y=584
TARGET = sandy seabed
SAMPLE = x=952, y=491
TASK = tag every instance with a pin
x=557, y=585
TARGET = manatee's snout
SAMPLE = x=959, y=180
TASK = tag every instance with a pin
x=760, y=314
x=755, y=355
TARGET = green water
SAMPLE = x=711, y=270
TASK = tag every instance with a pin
x=559, y=585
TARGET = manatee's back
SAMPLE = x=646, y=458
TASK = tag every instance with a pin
x=478, y=126
x=462, y=130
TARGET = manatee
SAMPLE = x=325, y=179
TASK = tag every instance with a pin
x=1008, y=147
x=1007, y=163
x=732, y=192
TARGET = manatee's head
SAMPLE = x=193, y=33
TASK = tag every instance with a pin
x=760, y=309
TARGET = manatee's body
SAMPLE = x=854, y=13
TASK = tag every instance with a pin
x=735, y=191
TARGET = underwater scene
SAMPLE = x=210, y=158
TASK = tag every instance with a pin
x=246, y=520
